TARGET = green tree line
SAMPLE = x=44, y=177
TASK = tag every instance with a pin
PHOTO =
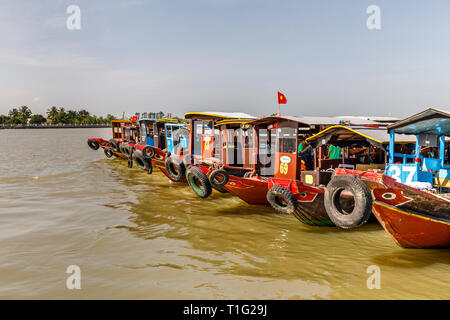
x=54, y=115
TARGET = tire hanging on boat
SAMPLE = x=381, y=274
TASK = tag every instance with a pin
x=150, y=167
x=130, y=157
x=361, y=201
x=175, y=169
x=93, y=144
x=140, y=161
x=199, y=182
x=282, y=200
x=114, y=145
x=219, y=178
x=108, y=153
x=148, y=152
x=126, y=149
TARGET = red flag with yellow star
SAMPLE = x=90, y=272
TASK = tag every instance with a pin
x=281, y=98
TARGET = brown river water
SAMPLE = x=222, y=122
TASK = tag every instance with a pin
x=139, y=236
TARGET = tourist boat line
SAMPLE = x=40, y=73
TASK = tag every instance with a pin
x=259, y=161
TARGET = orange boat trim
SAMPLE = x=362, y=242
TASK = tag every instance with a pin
x=411, y=214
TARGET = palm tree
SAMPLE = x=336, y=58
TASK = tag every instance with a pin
x=37, y=119
x=83, y=113
x=14, y=113
x=72, y=116
x=52, y=112
x=25, y=113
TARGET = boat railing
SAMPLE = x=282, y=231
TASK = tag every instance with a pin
x=405, y=156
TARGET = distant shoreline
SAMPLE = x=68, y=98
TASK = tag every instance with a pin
x=56, y=126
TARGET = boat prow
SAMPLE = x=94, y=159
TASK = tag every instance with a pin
x=413, y=230
x=413, y=217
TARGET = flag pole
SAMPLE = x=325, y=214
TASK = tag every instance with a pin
x=278, y=99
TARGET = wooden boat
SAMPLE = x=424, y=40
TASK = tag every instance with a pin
x=123, y=131
x=159, y=139
x=219, y=147
x=362, y=148
x=291, y=183
x=412, y=199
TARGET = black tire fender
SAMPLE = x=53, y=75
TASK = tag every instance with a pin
x=114, y=145
x=130, y=150
x=282, y=199
x=150, y=167
x=148, y=152
x=217, y=174
x=121, y=147
x=108, y=153
x=362, y=201
x=175, y=169
x=127, y=149
x=93, y=144
x=199, y=182
x=139, y=160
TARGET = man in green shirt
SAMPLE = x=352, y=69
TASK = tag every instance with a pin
x=334, y=152
x=301, y=147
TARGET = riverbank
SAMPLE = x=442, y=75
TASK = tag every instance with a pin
x=54, y=126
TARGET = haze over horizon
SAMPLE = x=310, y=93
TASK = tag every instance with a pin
x=225, y=55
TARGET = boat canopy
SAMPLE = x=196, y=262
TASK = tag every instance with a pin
x=311, y=121
x=148, y=119
x=430, y=121
x=232, y=121
x=385, y=120
x=169, y=120
x=213, y=115
x=375, y=136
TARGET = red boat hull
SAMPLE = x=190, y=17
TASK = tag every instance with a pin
x=159, y=161
x=310, y=210
x=411, y=230
x=414, y=218
x=105, y=145
x=251, y=190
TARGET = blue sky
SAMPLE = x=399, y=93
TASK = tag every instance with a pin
x=229, y=55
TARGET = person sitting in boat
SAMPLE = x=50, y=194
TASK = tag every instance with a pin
x=305, y=152
x=302, y=148
x=334, y=152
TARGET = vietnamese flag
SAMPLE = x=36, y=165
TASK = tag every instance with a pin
x=281, y=98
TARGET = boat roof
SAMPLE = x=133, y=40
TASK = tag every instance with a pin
x=121, y=120
x=170, y=120
x=375, y=136
x=148, y=119
x=373, y=118
x=232, y=121
x=309, y=121
x=214, y=115
x=430, y=121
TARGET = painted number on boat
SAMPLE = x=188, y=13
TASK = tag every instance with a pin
x=396, y=173
x=285, y=160
x=284, y=168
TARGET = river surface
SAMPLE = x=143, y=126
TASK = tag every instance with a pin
x=139, y=236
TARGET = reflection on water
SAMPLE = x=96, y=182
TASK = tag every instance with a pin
x=140, y=236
